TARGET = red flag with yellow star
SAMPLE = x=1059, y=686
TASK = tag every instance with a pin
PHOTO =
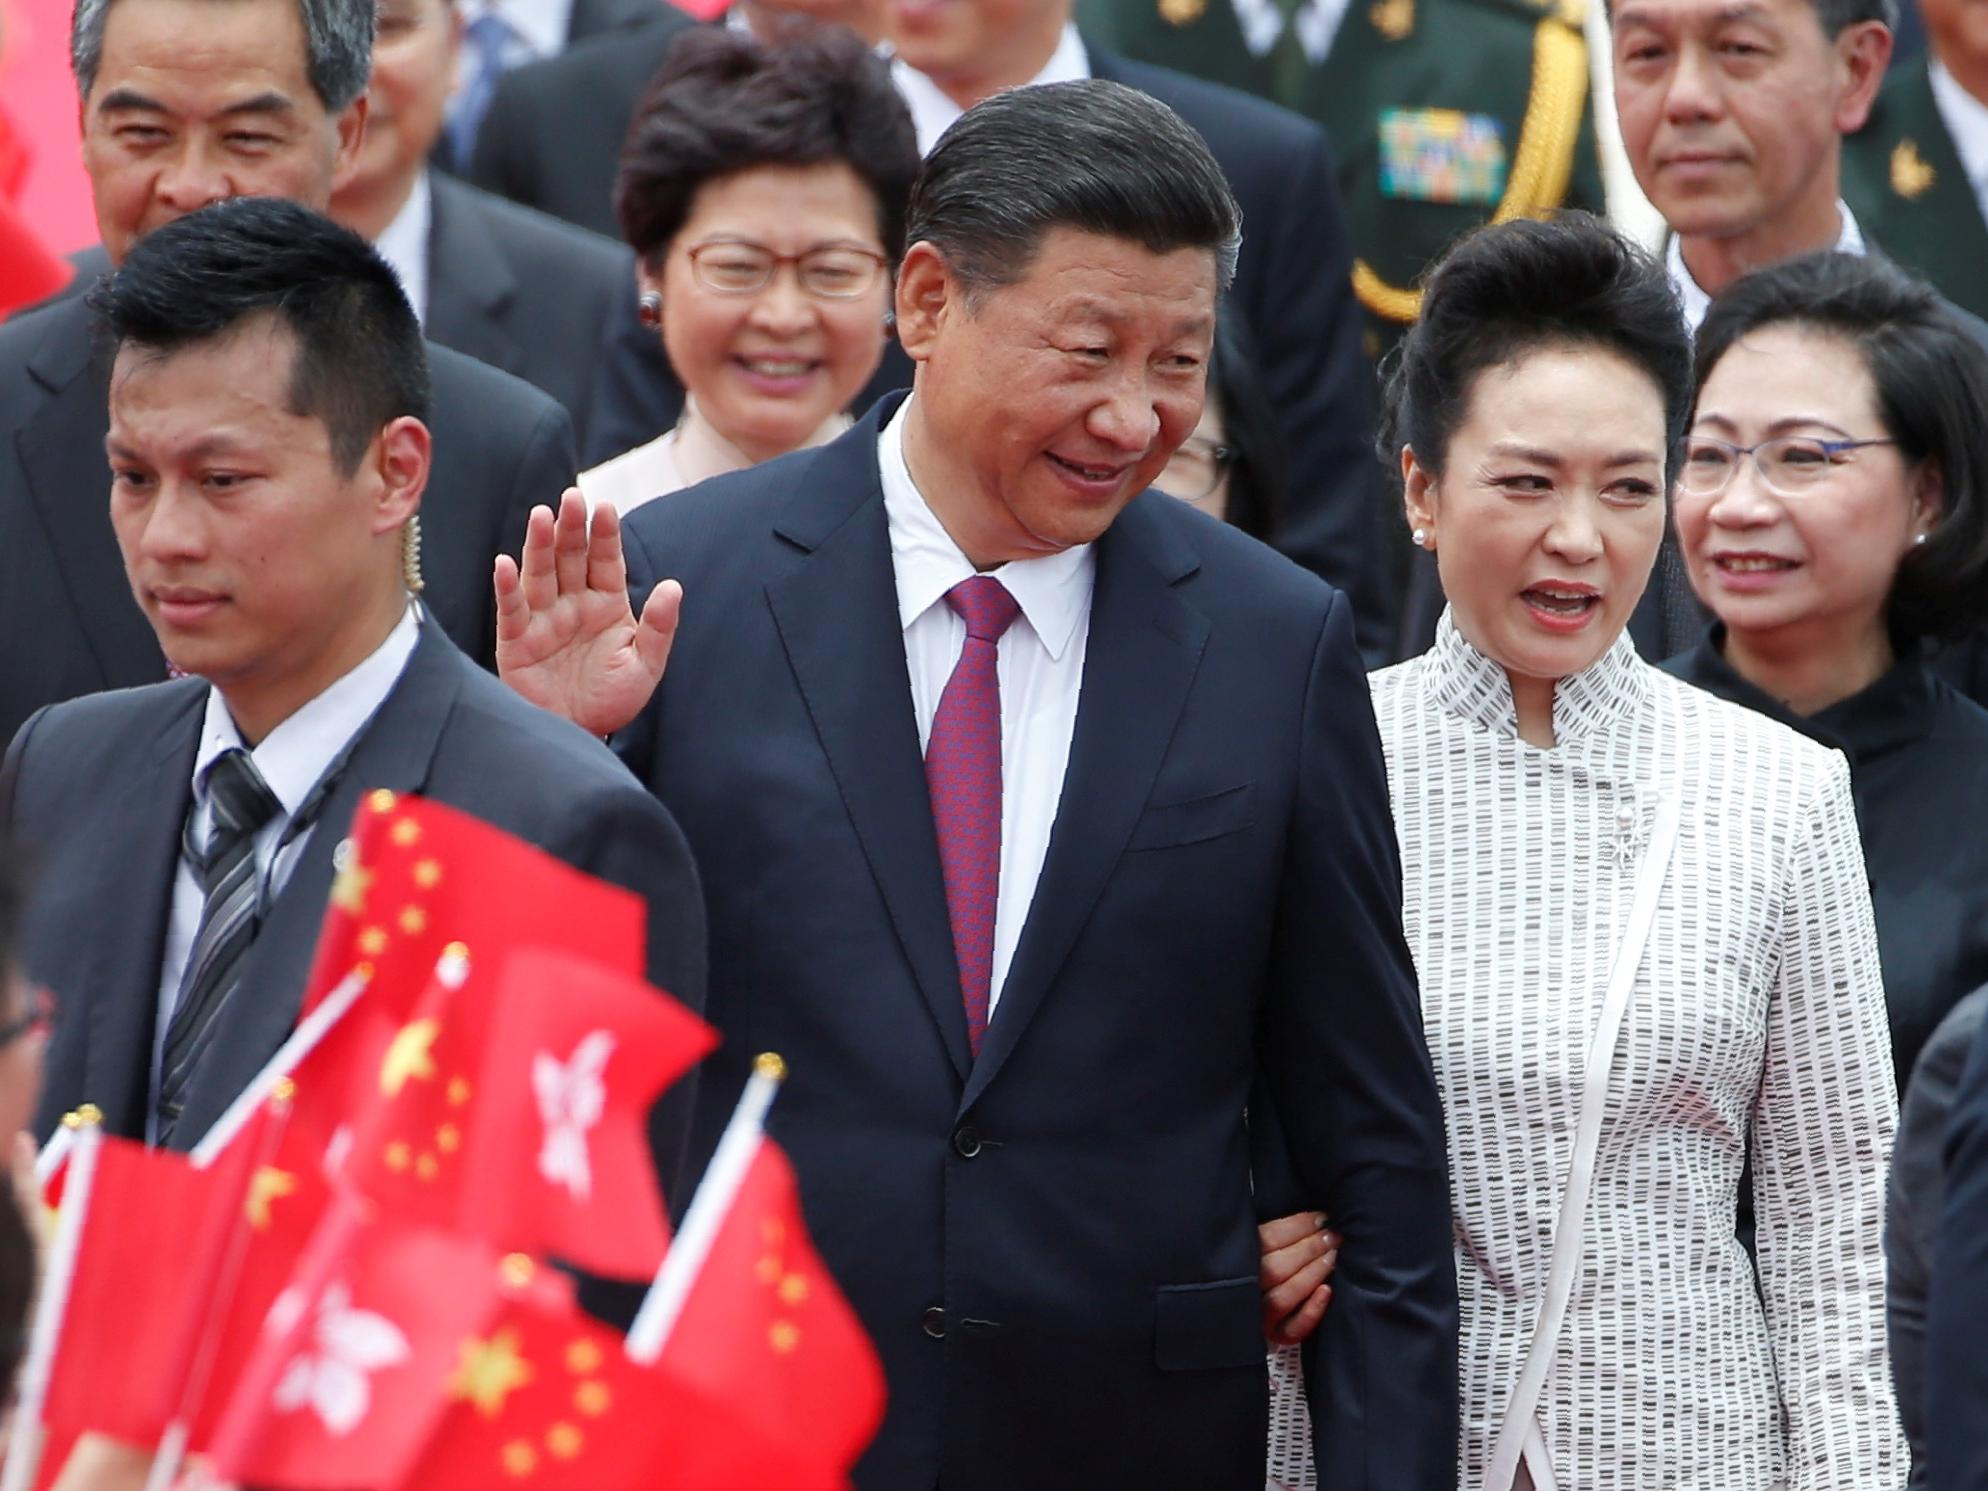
x=545, y=1400
x=516, y=1106
x=786, y=1389
x=157, y=1233
x=348, y=1381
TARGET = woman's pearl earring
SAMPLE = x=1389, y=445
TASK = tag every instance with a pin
x=1919, y=539
x=1421, y=538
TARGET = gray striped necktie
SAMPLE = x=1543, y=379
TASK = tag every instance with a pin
x=240, y=803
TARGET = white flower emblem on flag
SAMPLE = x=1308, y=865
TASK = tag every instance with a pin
x=571, y=1098
x=332, y=1376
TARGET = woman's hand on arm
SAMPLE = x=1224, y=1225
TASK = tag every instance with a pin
x=1299, y=1253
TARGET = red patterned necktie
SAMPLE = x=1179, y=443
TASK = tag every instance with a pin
x=963, y=773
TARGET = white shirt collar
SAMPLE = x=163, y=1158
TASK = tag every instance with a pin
x=932, y=113
x=297, y=752
x=1054, y=592
x=1966, y=119
x=1315, y=21
x=403, y=243
x=1849, y=240
x=541, y=24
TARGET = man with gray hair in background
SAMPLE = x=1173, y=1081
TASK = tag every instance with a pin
x=187, y=102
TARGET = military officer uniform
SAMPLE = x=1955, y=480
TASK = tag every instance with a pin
x=1442, y=114
x=1905, y=174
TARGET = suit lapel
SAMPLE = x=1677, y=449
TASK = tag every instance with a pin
x=137, y=889
x=470, y=287
x=1145, y=646
x=838, y=620
x=61, y=449
x=395, y=752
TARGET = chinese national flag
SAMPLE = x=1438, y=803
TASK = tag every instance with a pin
x=516, y=1107
x=546, y=1400
x=415, y=879
x=155, y=1237
x=286, y=1199
x=787, y=1388
x=351, y=1375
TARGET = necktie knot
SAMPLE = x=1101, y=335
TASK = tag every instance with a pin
x=984, y=604
x=238, y=796
x=488, y=35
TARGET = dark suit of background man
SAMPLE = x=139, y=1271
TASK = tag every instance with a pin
x=266, y=436
x=1956, y=1366
x=1292, y=286
x=514, y=288
x=961, y=717
x=164, y=133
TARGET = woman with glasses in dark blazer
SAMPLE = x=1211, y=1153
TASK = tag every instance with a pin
x=1833, y=509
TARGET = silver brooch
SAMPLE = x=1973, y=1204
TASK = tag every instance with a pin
x=1632, y=833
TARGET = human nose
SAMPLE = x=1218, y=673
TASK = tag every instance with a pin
x=175, y=528
x=783, y=307
x=1746, y=500
x=1574, y=535
x=193, y=179
x=1127, y=417
x=1693, y=94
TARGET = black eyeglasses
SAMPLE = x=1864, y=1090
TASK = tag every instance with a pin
x=1196, y=469
x=1790, y=465
x=37, y=1019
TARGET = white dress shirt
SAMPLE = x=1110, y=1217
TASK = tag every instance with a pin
x=291, y=758
x=404, y=245
x=1850, y=240
x=1316, y=22
x=932, y=112
x=1966, y=119
x=1039, y=662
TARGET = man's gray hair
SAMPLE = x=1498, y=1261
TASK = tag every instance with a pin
x=338, y=33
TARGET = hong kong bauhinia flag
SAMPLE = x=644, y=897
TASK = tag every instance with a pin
x=516, y=1106
x=350, y=1377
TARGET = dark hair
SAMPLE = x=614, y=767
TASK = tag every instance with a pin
x=1835, y=16
x=1931, y=377
x=1512, y=288
x=338, y=38
x=1090, y=155
x=724, y=103
x=1258, y=465
x=360, y=363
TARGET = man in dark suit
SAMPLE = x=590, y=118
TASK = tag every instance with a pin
x=1293, y=284
x=1042, y=820
x=1919, y=166
x=1956, y=1373
x=168, y=129
x=511, y=287
x=267, y=439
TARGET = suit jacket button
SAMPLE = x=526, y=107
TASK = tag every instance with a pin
x=967, y=1141
x=934, y=1323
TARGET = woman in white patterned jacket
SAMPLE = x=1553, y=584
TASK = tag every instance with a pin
x=1643, y=930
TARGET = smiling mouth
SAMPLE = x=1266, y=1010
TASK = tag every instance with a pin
x=1560, y=602
x=1087, y=473
x=779, y=367
x=1752, y=564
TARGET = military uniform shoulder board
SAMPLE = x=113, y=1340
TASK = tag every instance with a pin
x=1912, y=174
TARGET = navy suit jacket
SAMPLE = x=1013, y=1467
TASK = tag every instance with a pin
x=66, y=610
x=1054, y=1244
x=1956, y=1370
x=96, y=790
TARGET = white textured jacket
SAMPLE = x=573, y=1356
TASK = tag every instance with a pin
x=1755, y=1017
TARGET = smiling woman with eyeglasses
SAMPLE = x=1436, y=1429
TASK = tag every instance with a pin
x=763, y=191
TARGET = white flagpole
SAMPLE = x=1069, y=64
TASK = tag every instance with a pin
x=24, y=1446
x=716, y=1191
x=303, y=1040
x=62, y=1141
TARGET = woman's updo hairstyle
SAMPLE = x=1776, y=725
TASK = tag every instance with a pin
x=1931, y=376
x=1505, y=291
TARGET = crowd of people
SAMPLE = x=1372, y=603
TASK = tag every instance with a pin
x=1346, y=789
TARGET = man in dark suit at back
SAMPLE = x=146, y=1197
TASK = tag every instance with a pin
x=186, y=102
x=1293, y=283
x=267, y=440
x=511, y=287
x=1956, y=1371
x=1042, y=820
